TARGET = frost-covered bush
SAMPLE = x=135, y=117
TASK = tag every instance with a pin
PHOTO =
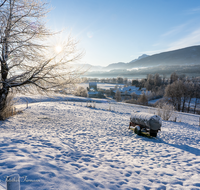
x=134, y=96
x=155, y=94
x=142, y=99
x=118, y=96
x=91, y=104
x=80, y=91
x=94, y=104
x=165, y=110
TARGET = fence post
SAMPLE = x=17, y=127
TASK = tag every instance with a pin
x=13, y=182
x=26, y=104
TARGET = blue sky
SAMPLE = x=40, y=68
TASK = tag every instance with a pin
x=112, y=31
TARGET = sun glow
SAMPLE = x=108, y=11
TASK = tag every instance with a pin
x=58, y=49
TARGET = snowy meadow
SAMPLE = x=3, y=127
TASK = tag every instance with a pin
x=63, y=143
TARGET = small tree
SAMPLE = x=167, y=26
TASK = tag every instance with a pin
x=118, y=95
x=120, y=80
x=150, y=79
x=196, y=96
x=80, y=91
x=114, y=80
x=173, y=77
x=157, y=80
x=134, y=82
x=143, y=99
x=174, y=91
x=125, y=81
x=126, y=95
x=164, y=78
x=165, y=110
x=190, y=88
x=134, y=96
x=27, y=62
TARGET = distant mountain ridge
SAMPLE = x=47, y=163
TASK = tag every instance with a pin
x=122, y=65
x=184, y=56
x=184, y=61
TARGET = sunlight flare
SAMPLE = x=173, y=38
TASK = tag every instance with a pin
x=58, y=49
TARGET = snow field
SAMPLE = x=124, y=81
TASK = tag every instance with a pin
x=66, y=145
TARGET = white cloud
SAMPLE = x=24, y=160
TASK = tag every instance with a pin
x=166, y=44
x=194, y=11
x=157, y=44
x=175, y=30
x=190, y=40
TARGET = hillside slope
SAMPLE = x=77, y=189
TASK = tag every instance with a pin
x=66, y=145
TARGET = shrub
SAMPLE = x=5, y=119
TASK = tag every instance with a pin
x=80, y=91
x=134, y=95
x=164, y=110
x=142, y=99
x=118, y=95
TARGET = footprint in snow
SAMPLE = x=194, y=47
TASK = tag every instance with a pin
x=86, y=159
x=128, y=174
x=87, y=178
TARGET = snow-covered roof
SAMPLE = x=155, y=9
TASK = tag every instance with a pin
x=129, y=90
x=92, y=89
x=92, y=92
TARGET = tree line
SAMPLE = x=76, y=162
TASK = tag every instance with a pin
x=117, y=80
x=177, y=90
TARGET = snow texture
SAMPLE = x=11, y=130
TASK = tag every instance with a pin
x=59, y=144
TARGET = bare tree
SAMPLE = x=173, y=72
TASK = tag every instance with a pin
x=196, y=95
x=150, y=79
x=185, y=94
x=125, y=81
x=27, y=62
x=143, y=99
x=164, y=110
x=149, y=82
x=173, y=77
x=120, y=80
x=2, y=2
x=147, y=85
x=190, y=93
x=118, y=95
x=164, y=78
x=80, y=91
x=134, y=95
x=157, y=80
x=174, y=91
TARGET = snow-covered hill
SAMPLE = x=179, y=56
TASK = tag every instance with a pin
x=60, y=144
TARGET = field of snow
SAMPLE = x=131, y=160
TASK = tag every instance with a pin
x=62, y=144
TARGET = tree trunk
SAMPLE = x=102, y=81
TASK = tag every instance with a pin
x=179, y=104
x=188, y=109
x=3, y=97
x=183, y=107
x=5, y=87
x=195, y=105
